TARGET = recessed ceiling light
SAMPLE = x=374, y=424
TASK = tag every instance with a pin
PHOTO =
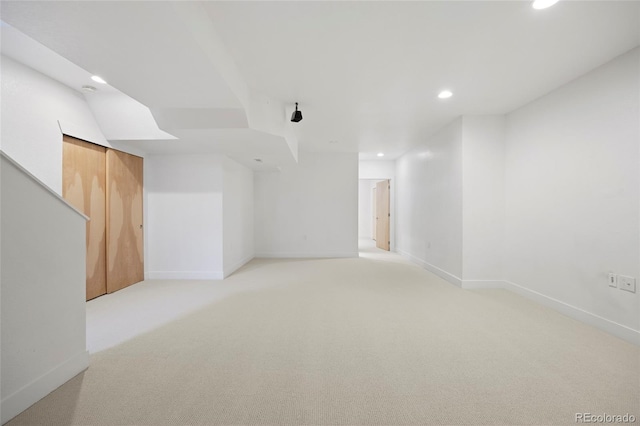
x=543, y=4
x=88, y=89
x=445, y=94
x=381, y=154
x=98, y=79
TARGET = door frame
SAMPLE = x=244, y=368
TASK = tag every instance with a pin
x=392, y=207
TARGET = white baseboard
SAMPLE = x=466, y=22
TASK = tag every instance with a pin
x=611, y=327
x=474, y=284
x=298, y=255
x=230, y=270
x=184, y=275
x=33, y=392
x=618, y=330
x=432, y=268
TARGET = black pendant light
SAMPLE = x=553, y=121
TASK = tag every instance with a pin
x=297, y=115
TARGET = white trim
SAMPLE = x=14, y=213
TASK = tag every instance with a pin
x=39, y=182
x=84, y=133
x=230, y=270
x=432, y=268
x=117, y=145
x=298, y=255
x=33, y=392
x=184, y=275
x=474, y=284
x=618, y=330
x=96, y=138
x=611, y=327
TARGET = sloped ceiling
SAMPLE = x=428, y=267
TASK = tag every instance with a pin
x=169, y=72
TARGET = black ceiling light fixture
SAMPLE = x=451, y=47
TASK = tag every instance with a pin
x=297, y=115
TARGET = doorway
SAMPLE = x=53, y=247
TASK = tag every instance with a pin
x=106, y=185
x=375, y=217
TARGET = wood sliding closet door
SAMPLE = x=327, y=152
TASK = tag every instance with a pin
x=83, y=185
x=382, y=215
x=125, y=257
x=106, y=185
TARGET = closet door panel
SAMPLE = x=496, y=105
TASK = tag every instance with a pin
x=83, y=185
x=125, y=257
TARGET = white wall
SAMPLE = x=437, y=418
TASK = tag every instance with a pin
x=544, y=201
x=184, y=230
x=309, y=209
x=377, y=169
x=32, y=106
x=199, y=216
x=482, y=199
x=238, y=216
x=572, y=192
x=35, y=111
x=365, y=208
x=429, y=203
x=43, y=323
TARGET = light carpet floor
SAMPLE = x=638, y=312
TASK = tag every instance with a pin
x=352, y=342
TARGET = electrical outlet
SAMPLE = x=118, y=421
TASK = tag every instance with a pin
x=613, y=280
x=627, y=283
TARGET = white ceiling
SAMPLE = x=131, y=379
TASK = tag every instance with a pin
x=139, y=47
x=23, y=49
x=366, y=74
